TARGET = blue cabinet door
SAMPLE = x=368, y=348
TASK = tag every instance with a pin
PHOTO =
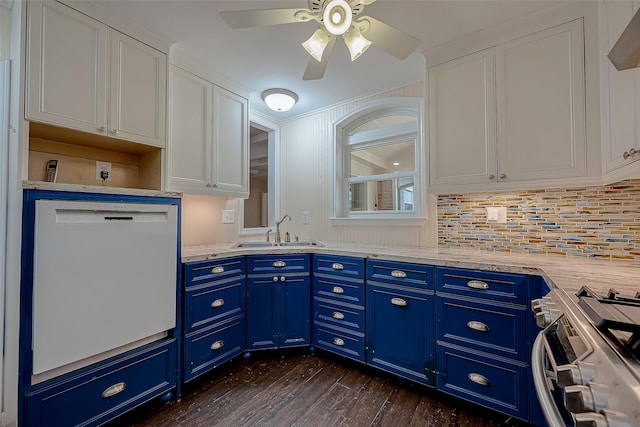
x=262, y=313
x=400, y=336
x=295, y=312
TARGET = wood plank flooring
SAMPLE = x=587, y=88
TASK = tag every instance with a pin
x=295, y=388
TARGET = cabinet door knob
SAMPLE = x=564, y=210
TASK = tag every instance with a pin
x=282, y=278
x=399, y=302
x=114, y=131
x=114, y=389
x=492, y=177
x=503, y=176
x=275, y=278
x=217, y=303
x=102, y=128
x=478, y=379
x=626, y=155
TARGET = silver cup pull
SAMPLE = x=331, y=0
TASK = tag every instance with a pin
x=217, y=345
x=338, y=341
x=279, y=264
x=478, y=284
x=337, y=266
x=337, y=290
x=399, y=274
x=479, y=379
x=337, y=315
x=217, y=303
x=477, y=326
x=114, y=389
x=217, y=270
x=399, y=302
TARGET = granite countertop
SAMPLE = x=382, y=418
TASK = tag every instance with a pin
x=79, y=188
x=567, y=273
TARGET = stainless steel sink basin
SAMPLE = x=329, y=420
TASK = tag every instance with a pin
x=305, y=243
x=302, y=243
x=253, y=245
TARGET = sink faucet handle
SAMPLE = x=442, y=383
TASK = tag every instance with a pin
x=296, y=237
x=268, y=231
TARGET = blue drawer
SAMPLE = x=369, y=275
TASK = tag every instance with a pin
x=339, y=290
x=488, y=381
x=270, y=264
x=209, y=304
x=211, y=347
x=80, y=400
x=496, y=286
x=496, y=329
x=339, y=341
x=339, y=266
x=400, y=273
x=345, y=316
x=212, y=270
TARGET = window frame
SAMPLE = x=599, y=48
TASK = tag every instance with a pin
x=344, y=144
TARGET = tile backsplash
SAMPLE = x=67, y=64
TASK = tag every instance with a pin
x=601, y=222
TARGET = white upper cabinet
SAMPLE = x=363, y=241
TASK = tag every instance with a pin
x=462, y=120
x=541, y=105
x=209, y=142
x=620, y=98
x=86, y=76
x=512, y=114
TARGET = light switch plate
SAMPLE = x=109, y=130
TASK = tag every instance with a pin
x=228, y=216
x=497, y=214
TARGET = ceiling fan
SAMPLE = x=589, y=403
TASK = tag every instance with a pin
x=336, y=18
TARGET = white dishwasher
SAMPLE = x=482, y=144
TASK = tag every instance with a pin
x=104, y=279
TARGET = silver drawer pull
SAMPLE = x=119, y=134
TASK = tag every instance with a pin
x=477, y=284
x=399, y=302
x=337, y=315
x=217, y=345
x=113, y=390
x=217, y=303
x=398, y=273
x=479, y=379
x=478, y=326
x=337, y=290
x=217, y=270
x=337, y=266
x=338, y=341
x=279, y=264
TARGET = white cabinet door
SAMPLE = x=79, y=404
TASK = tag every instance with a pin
x=231, y=143
x=541, y=105
x=462, y=120
x=67, y=68
x=621, y=100
x=190, y=140
x=137, y=90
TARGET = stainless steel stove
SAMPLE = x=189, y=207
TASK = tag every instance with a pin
x=586, y=362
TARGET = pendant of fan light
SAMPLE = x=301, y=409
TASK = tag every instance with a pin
x=336, y=18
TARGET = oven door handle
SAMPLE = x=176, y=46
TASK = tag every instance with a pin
x=549, y=408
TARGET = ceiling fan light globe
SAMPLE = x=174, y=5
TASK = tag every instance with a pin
x=316, y=44
x=279, y=99
x=337, y=17
x=356, y=43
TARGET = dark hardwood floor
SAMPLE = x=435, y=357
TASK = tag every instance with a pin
x=295, y=388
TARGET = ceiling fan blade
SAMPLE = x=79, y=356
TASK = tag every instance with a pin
x=392, y=40
x=263, y=17
x=315, y=69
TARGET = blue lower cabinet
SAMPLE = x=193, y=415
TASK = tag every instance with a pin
x=209, y=348
x=100, y=394
x=339, y=341
x=400, y=331
x=484, y=379
x=278, y=303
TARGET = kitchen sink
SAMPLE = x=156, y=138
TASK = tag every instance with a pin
x=304, y=243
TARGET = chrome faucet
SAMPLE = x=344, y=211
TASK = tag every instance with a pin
x=277, y=238
x=268, y=231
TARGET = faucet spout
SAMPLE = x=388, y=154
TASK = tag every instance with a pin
x=277, y=238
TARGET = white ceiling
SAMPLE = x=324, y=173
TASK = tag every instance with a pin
x=265, y=57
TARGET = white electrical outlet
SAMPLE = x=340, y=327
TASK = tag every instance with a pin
x=305, y=217
x=103, y=167
x=228, y=217
x=497, y=214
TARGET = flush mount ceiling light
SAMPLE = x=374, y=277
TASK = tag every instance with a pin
x=336, y=18
x=279, y=99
